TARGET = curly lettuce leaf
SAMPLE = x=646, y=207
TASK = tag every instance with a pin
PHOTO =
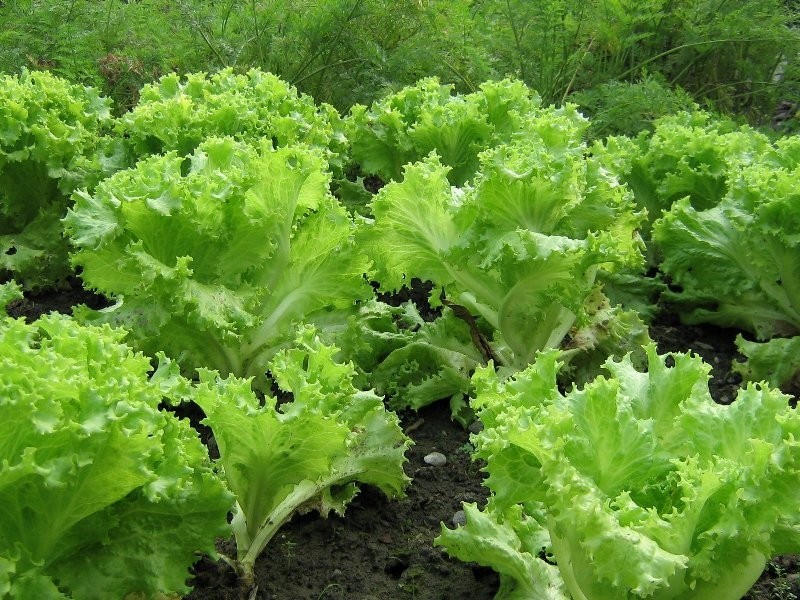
x=776, y=361
x=305, y=454
x=646, y=487
x=411, y=361
x=9, y=292
x=215, y=257
x=408, y=125
x=738, y=264
x=510, y=543
x=176, y=113
x=688, y=154
x=50, y=144
x=611, y=331
x=521, y=249
x=99, y=488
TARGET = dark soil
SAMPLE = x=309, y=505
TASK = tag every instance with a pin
x=383, y=549
x=71, y=294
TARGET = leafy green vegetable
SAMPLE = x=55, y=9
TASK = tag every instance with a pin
x=516, y=257
x=302, y=455
x=49, y=146
x=99, y=490
x=178, y=113
x=636, y=485
x=406, y=126
x=520, y=250
x=510, y=544
x=411, y=361
x=215, y=257
x=9, y=292
x=688, y=154
x=738, y=263
x=776, y=361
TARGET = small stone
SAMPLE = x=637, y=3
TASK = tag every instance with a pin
x=733, y=378
x=459, y=518
x=435, y=459
x=475, y=427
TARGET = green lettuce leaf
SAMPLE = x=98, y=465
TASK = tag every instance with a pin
x=738, y=264
x=50, y=144
x=776, y=361
x=100, y=490
x=179, y=112
x=215, y=257
x=411, y=361
x=9, y=292
x=688, y=154
x=408, y=125
x=511, y=544
x=304, y=454
x=690, y=157
x=519, y=250
x=645, y=486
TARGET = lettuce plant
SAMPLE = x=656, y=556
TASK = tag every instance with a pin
x=737, y=264
x=213, y=258
x=638, y=485
x=99, y=489
x=689, y=154
x=690, y=157
x=516, y=255
x=776, y=361
x=413, y=362
x=177, y=113
x=304, y=454
x=406, y=126
x=49, y=146
x=520, y=249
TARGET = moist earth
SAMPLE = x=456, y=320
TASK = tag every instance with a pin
x=383, y=549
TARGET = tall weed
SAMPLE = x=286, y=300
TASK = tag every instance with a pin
x=732, y=55
x=725, y=53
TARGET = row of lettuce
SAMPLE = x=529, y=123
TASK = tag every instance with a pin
x=232, y=224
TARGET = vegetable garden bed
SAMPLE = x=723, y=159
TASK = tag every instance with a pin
x=383, y=549
x=262, y=257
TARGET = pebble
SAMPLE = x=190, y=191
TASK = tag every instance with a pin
x=459, y=519
x=435, y=459
x=475, y=427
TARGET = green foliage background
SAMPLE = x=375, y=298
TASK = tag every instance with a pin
x=734, y=56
